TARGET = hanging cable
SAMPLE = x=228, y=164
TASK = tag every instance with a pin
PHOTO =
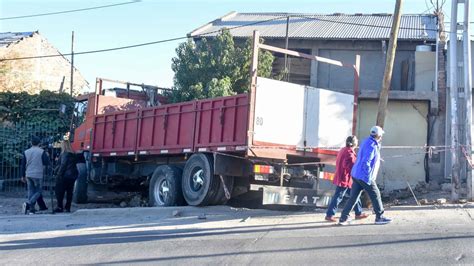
x=136, y=45
x=69, y=11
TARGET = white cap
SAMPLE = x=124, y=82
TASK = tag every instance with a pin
x=376, y=131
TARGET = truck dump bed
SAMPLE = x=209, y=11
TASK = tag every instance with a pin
x=289, y=119
x=217, y=124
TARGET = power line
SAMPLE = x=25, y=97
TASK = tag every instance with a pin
x=427, y=6
x=211, y=32
x=138, y=45
x=69, y=11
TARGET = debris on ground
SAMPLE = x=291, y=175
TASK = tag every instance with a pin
x=446, y=187
x=245, y=220
x=422, y=188
x=434, y=186
x=202, y=216
x=135, y=201
x=424, y=202
x=441, y=201
x=123, y=204
x=176, y=213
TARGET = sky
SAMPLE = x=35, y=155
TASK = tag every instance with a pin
x=154, y=20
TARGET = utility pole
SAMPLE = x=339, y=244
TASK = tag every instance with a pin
x=468, y=93
x=453, y=93
x=287, y=71
x=72, y=63
x=387, y=76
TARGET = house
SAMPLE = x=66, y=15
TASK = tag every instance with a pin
x=417, y=98
x=34, y=75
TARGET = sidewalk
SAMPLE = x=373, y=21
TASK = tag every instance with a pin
x=178, y=216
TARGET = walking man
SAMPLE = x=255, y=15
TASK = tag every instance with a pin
x=343, y=181
x=33, y=163
x=364, y=172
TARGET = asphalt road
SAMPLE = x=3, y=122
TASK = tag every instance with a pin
x=418, y=235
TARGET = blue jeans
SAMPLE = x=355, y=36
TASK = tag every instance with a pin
x=374, y=194
x=35, y=189
x=336, y=200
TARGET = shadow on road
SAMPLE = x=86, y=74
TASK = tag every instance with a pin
x=153, y=235
x=273, y=251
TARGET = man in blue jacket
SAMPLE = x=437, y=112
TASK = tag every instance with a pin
x=364, y=173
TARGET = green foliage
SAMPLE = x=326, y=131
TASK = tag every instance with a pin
x=37, y=108
x=23, y=115
x=215, y=67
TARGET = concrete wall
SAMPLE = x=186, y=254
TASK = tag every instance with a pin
x=407, y=122
x=372, y=62
x=406, y=125
x=425, y=68
x=34, y=75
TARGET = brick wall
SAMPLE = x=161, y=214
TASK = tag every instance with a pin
x=34, y=75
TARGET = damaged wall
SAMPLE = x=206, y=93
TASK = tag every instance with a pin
x=34, y=75
x=405, y=125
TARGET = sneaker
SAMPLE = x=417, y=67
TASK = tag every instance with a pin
x=25, y=208
x=345, y=222
x=31, y=212
x=330, y=219
x=382, y=220
x=362, y=216
x=57, y=210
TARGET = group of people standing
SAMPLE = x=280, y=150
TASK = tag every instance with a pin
x=355, y=174
x=33, y=166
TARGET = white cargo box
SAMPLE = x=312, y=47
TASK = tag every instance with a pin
x=288, y=114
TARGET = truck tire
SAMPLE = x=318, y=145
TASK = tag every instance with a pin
x=165, y=187
x=80, y=187
x=199, y=183
x=220, y=197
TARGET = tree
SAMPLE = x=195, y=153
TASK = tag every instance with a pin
x=36, y=108
x=23, y=115
x=215, y=67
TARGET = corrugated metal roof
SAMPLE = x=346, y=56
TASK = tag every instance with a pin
x=317, y=26
x=6, y=38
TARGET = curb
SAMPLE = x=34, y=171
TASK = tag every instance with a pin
x=169, y=212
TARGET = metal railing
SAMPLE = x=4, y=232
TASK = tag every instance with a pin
x=15, y=138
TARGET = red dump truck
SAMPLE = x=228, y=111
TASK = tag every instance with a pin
x=275, y=139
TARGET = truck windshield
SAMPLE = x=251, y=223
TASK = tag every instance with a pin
x=80, y=111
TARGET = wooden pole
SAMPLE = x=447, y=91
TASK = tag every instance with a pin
x=72, y=63
x=387, y=76
x=253, y=86
x=287, y=74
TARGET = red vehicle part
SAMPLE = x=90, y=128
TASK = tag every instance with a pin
x=217, y=124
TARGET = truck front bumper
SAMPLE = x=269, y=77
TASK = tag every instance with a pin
x=276, y=195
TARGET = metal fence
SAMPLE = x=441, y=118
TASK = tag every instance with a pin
x=14, y=140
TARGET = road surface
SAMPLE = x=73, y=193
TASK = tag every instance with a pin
x=227, y=236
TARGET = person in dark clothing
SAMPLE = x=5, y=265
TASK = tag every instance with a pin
x=32, y=168
x=66, y=177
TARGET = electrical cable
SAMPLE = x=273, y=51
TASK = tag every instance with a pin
x=135, y=45
x=208, y=33
x=69, y=11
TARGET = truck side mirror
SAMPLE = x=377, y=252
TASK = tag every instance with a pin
x=62, y=109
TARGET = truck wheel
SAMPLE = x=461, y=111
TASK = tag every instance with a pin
x=80, y=187
x=220, y=197
x=165, y=187
x=200, y=185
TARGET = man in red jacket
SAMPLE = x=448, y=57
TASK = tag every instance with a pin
x=343, y=181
